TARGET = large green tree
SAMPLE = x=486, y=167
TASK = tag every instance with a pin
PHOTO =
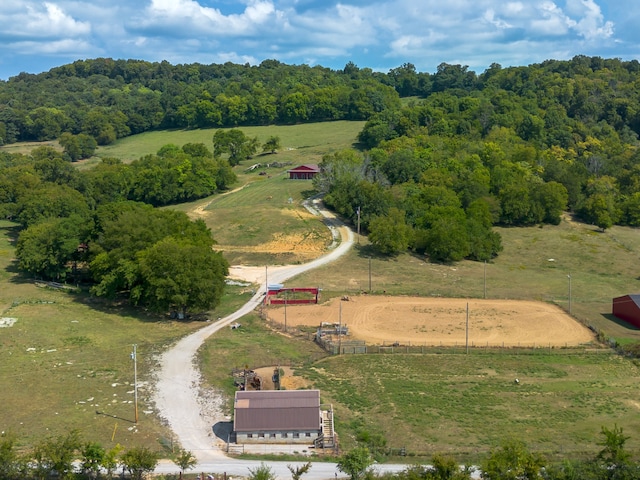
x=46, y=249
x=235, y=144
x=50, y=200
x=160, y=258
x=181, y=276
x=389, y=234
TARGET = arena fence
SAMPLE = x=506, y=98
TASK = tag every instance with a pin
x=343, y=344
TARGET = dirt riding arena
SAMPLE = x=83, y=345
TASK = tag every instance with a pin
x=386, y=320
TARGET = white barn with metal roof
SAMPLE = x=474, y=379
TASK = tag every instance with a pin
x=278, y=416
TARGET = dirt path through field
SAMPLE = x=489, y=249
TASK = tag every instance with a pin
x=442, y=321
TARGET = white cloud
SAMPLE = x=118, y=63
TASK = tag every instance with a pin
x=490, y=17
x=192, y=18
x=551, y=21
x=40, y=20
x=57, y=47
x=591, y=24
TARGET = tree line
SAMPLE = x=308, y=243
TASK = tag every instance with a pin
x=100, y=225
x=108, y=99
x=68, y=457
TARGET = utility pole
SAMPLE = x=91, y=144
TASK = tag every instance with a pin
x=569, y=277
x=485, y=279
x=369, y=274
x=467, y=330
x=285, y=310
x=358, y=225
x=134, y=357
x=340, y=330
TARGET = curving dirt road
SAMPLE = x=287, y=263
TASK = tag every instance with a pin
x=177, y=394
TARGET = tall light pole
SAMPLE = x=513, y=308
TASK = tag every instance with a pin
x=134, y=357
x=466, y=340
x=569, y=277
x=485, y=279
x=285, y=310
x=358, y=225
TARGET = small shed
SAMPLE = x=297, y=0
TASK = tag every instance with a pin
x=303, y=172
x=627, y=308
x=277, y=416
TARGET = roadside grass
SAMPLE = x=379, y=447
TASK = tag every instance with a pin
x=253, y=346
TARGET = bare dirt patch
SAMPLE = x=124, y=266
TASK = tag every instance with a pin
x=305, y=247
x=442, y=321
x=288, y=381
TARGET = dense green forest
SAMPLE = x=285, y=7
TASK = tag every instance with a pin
x=515, y=146
x=100, y=225
x=443, y=157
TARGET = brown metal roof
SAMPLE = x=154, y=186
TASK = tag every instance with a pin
x=277, y=410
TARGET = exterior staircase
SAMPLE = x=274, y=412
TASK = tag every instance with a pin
x=327, y=439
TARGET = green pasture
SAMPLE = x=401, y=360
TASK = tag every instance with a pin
x=464, y=405
x=65, y=363
x=263, y=210
x=305, y=143
x=459, y=404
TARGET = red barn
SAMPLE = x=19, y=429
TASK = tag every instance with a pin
x=627, y=308
x=303, y=172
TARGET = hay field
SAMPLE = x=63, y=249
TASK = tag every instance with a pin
x=442, y=321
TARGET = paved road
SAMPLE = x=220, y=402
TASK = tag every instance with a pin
x=242, y=468
x=177, y=390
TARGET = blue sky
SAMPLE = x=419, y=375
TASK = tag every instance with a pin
x=38, y=35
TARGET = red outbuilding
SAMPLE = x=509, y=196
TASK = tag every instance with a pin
x=627, y=308
x=303, y=172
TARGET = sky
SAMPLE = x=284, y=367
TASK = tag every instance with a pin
x=36, y=36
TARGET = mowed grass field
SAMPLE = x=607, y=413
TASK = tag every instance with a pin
x=264, y=221
x=464, y=405
x=305, y=143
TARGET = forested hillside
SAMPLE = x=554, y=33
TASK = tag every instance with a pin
x=109, y=99
x=515, y=146
x=443, y=157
